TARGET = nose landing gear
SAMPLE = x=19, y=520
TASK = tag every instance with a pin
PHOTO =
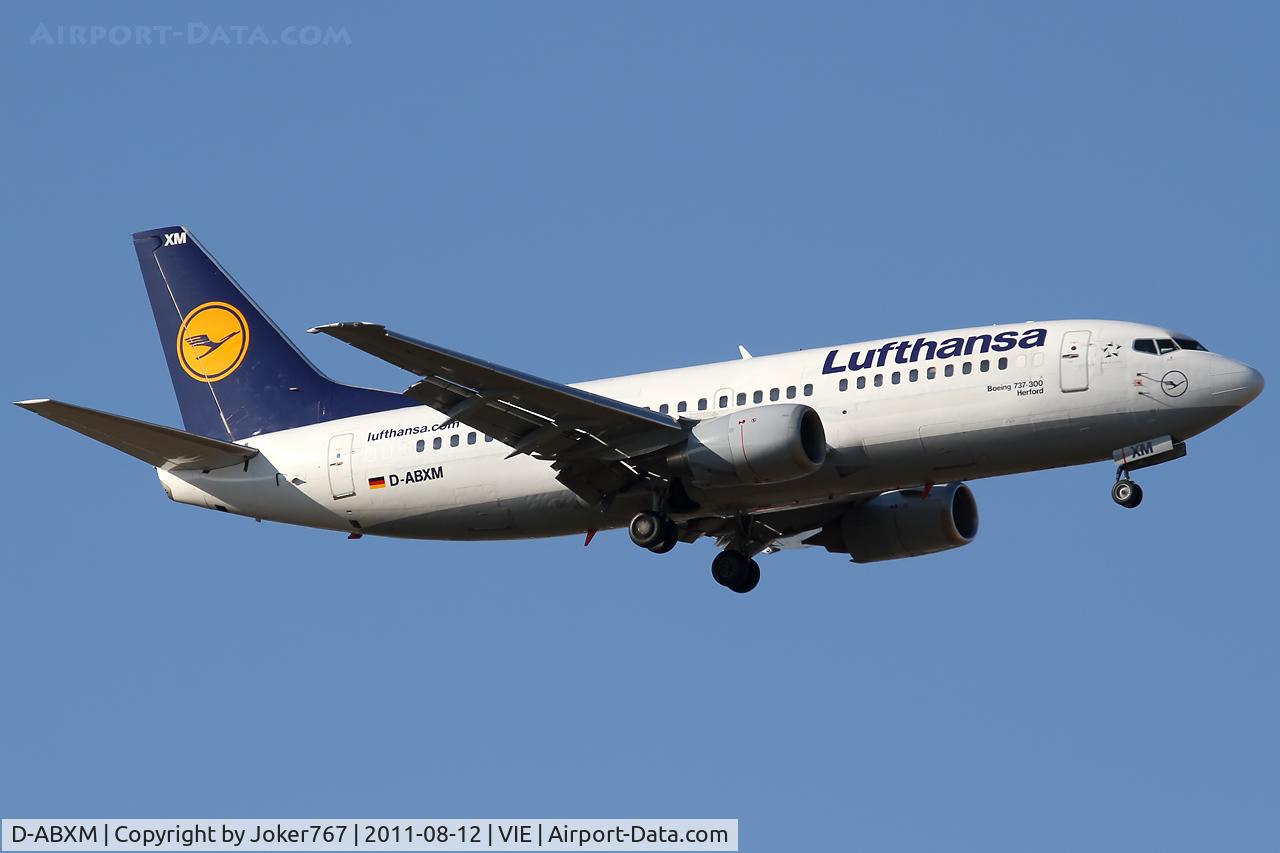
x=1126, y=492
x=1144, y=454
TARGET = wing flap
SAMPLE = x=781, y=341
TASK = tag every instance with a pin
x=164, y=447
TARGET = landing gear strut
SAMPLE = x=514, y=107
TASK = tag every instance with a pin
x=735, y=570
x=654, y=531
x=1126, y=492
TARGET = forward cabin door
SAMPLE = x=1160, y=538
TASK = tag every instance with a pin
x=341, y=478
x=1074, y=363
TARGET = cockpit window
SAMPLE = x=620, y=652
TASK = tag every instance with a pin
x=1160, y=346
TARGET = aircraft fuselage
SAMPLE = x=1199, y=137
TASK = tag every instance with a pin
x=933, y=408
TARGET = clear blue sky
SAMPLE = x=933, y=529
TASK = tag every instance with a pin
x=595, y=189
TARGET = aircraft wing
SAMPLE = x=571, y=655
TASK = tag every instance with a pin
x=593, y=442
x=164, y=447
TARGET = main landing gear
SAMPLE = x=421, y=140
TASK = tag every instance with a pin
x=658, y=533
x=735, y=570
x=1126, y=492
x=654, y=531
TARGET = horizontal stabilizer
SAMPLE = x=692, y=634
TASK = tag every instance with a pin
x=164, y=447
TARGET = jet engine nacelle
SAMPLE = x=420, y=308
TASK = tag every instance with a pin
x=904, y=524
x=763, y=444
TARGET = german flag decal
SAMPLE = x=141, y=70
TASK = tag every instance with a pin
x=377, y=482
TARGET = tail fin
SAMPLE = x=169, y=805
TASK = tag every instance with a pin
x=235, y=374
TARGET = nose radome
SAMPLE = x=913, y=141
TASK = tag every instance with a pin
x=1237, y=384
x=1254, y=384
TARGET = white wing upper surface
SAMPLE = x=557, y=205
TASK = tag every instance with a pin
x=595, y=443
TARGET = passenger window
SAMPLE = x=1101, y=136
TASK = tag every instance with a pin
x=437, y=443
x=1037, y=360
x=1188, y=343
x=897, y=377
x=984, y=365
x=471, y=438
x=488, y=438
x=682, y=406
x=967, y=369
x=931, y=373
x=1165, y=345
x=844, y=386
x=774, y=394
x=791, y=389
x=879, y=379
x=757, y=397
x=1003, y=363
x=1021, y=361
x=808, y=390
x=949, y=370
x=453, y=440
x=664, y=408
x=702, y=404
x=742, y=398
x=724, y=401
x=422, y=445
x=862, y=382
x=914, y=375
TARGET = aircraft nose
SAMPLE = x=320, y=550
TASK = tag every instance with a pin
x=1236, y=384
x=1254, y=384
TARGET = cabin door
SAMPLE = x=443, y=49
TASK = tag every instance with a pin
x=341, y=478
x=1074, y=362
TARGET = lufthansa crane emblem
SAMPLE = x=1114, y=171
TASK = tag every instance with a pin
x=1174, y=383
x=212, y=341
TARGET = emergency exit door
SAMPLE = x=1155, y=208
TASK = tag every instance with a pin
x=1074, y=373
x=341, y=478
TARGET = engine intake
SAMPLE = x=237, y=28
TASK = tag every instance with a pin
x=904, y=523
x=763, y=444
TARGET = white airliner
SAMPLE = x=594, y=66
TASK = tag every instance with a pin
x=862, y=448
